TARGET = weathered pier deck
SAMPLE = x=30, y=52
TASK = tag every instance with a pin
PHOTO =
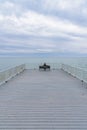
x=43, y=100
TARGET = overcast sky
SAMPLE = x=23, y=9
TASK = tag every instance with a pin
x=51, y=27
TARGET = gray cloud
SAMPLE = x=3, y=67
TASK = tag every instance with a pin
x=43, y=26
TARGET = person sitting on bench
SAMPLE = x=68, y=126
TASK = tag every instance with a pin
x=44, y=66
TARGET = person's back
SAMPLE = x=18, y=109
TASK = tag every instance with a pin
x=44, y=64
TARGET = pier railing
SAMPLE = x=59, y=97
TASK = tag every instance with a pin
x=10, y=73
x=76, y=72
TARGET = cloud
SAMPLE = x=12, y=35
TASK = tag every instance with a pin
x=63, y=4
x=36, y=24
x=39, y=26
x=73, y=10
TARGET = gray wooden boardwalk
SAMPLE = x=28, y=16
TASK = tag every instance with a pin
x=39, y=100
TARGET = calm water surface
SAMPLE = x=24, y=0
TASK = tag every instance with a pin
x=32, y=62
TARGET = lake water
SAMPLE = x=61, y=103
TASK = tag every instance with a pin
x=34, y=62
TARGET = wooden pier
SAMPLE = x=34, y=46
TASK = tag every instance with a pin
x=43, y=100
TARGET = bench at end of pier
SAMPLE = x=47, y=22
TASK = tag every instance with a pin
x=44, y=67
